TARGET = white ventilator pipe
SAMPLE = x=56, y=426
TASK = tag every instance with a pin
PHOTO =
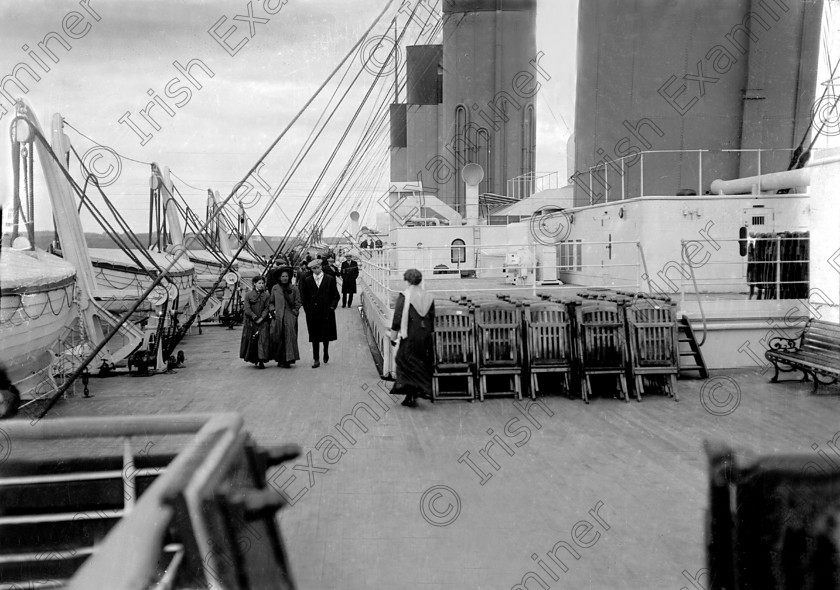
x=472, y=174
x=354, y=223
x=765, y=182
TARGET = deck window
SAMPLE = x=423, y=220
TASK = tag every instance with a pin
x=459, y=251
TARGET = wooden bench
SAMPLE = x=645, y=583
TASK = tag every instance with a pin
x=815, y=351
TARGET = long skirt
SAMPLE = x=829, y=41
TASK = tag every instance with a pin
x=256, y=345
x=284, y=340
x=415, y=363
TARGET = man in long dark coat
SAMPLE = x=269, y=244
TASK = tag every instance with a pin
x=320, y=298
x=349, y=274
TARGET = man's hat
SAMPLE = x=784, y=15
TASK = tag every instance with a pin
x=315, y=264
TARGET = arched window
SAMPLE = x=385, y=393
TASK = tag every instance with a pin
x=459, y=251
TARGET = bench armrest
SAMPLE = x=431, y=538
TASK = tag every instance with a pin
x=784, y=344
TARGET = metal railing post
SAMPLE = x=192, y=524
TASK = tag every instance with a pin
x=759, y=170
x=606, y=183
x=778, y=264
x=642, y=175
x=623, y=188
x=590, y=186
x=699, y=172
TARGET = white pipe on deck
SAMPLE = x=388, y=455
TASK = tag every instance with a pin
x=472, y=174
x=354, y=223
x=764, y=182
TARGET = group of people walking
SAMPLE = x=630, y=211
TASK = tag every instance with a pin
x=271, y=322
x=271, y=310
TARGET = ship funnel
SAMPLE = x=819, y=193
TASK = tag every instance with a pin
x=354, y=223
x=472, y=174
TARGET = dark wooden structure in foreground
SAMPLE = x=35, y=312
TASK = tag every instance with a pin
x=203, y=517
x=774, y=522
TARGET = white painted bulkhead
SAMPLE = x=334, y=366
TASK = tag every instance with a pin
x=710, y=225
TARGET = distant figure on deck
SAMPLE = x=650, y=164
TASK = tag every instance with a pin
x=330, y=268
x=349, y=274
x=320, y=298
x=255, y=345
x=271, y=276
x=412, y=327
x=285, y=304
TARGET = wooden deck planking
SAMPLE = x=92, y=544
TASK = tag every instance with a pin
x=360, y=525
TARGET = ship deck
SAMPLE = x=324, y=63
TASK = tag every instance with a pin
x=636, y=472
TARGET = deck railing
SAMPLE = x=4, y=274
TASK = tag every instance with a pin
x=600, y=175
x=382, y=268
x=767, y=267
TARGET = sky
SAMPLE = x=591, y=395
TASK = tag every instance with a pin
x=126, y=49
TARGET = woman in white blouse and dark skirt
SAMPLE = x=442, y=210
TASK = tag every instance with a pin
x=413, y=327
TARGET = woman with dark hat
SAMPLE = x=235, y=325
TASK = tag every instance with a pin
x=255, y=345
x=285, y=305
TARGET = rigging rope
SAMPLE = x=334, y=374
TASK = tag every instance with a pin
x=181, y=331
x=355, y=116
x=329, y=199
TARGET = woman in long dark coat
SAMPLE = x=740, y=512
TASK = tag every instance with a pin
x=285, y=304
x=255, y=345
x=414, y=325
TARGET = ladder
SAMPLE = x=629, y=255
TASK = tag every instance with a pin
x=685, y=335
